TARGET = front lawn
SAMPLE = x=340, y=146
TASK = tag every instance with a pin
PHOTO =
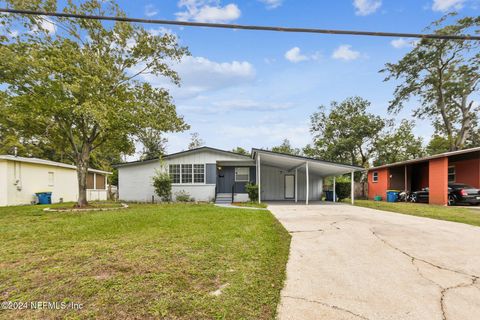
x=456, y=214
x=148, y=261
x=250, y=204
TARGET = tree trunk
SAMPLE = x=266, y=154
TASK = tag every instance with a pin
x=83, y=161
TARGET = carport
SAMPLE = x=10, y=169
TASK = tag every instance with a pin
x=296, y=178
x=434, y=172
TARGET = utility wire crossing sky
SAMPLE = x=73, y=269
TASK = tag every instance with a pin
x=243, y=27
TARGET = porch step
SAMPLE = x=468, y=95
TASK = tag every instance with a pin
x=224, y=198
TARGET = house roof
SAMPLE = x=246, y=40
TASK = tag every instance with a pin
x=182, y=153
x=291, y=162
x=47, y=163
x=436, y=156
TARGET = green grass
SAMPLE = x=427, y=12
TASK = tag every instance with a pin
x=456, y=214
x=250, y=204
x=148, y=261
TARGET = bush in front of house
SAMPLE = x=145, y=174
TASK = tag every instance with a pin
x=252, y=190
x=342, y=190
x=162, y=185
x=182, y=196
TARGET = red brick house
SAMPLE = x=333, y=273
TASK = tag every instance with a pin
x=434, y=172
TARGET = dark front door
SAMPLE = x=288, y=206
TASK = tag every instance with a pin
x=225, y=179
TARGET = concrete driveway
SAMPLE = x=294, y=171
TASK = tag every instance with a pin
x=355, y=263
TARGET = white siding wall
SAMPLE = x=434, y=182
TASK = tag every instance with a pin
x=25, y=179
x=135, y=181
x=273, y=184
x=19, y=181
x=3, y=183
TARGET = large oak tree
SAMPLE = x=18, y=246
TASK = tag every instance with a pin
x=444, y=75
x=80, y=87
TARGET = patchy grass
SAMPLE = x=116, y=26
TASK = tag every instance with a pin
x=91, y=205
x=250, y=204
x=456, y=214
x=149, y=261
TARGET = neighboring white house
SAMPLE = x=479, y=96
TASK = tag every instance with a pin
x=208, y=174
x=21, y=178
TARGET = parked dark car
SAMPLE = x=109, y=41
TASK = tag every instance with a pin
x=458, y=193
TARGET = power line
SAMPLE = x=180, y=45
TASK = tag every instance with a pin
x=242, y=27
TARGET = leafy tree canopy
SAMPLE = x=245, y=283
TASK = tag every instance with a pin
x=78, y=85
x=287, y=148
x=346, y=132
x=443, y=75
x=241, y=150
x=398, y=144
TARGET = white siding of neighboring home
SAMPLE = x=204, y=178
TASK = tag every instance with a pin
x=21, y=180
x=3, y=183
x=135, y=181
x=273, y=184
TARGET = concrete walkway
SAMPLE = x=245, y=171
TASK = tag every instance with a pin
x=356, y=263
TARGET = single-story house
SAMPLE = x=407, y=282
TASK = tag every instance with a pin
x=21, y=178
x=209, y=174
x=434, y=172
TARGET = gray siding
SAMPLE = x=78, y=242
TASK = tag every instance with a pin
x=273, y=184
x=211, y=173
x=228, y=174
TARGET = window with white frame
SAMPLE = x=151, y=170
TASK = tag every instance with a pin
x=187, y=173
x=451, y=174
x=51, y=179
x=174, y=170
x=242, y=174
x=375, y=176
x=198, y=173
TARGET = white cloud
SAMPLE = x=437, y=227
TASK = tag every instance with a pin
x=272, y=4
x=445, y=5
x=250, y=105
x=199, y=75
x=272, y=134
x=150, y=10
x=366, y=7
x=47, y=25
x=295, y=55
x=207, y=11
x=345, y=52
x=403, y=43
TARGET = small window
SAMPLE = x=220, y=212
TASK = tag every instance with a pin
x=186, y=173
x=242, y=174
x=174, y=170
x=375, y=176
x=451, y=174
x=198, y=173
x=51, y=179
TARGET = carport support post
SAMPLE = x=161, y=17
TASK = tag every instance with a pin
x=334, y=192
x=306, y=173
x=296, y=185
x=352, y=196
x=258, y=179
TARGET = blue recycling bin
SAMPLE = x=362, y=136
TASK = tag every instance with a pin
x=44, y=197
x=392, y=195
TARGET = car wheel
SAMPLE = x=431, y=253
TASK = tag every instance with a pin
x=413, y=198
x=451, y=200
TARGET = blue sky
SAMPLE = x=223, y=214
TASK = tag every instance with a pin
x=253, y=89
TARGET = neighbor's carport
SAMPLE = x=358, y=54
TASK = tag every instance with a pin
x=289, y=177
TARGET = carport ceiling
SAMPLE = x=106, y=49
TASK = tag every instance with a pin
x=291, y=162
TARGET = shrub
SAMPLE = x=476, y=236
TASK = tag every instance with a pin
x=162, y=185
x=252, y=190
x=182, y=196
x=342, y=189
